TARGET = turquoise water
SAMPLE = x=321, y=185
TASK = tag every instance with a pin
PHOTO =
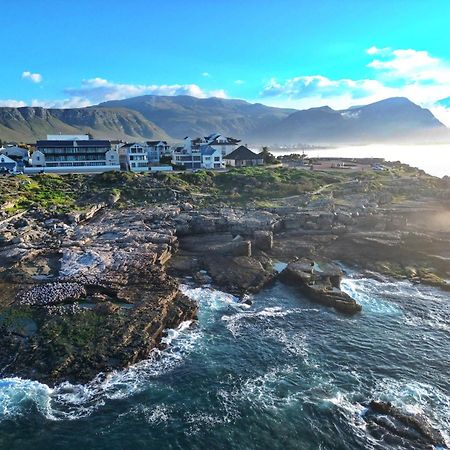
x=282, y=374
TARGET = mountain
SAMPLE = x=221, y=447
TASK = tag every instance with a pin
x=161, y=117
x=388, y=120
x=28, y=124
x=183, y=115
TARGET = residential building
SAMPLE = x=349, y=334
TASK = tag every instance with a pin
x=189, y=157
x=225, y=144
x=197, y=153
x=74, y=155
x=19, y=154
x=7, y=164
x=243, y=157
x=133, y=157
x=211, y=157
x=156, y=149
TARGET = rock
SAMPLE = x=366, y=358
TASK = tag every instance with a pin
x=413, y=427
x=321, y=283
x=239, y=275
x=263, y=240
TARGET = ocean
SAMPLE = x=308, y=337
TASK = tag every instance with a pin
x=433, y=159
x=284, y=373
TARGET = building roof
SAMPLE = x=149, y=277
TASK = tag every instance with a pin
x=131, y=144
x=229, y=141
x=5, y=160
x=242, y=153
x=59, y=144
x=152, y=143
x=207, y=150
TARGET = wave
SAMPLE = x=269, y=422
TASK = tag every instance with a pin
x=68, y=401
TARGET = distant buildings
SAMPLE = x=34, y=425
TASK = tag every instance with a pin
x=81, y=154
x=74, y=154
x=204, y=152
x=243, y=157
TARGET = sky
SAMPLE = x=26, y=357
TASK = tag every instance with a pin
x=289, y=53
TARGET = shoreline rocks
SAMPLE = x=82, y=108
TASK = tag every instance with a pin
x=321, y=283
x=413, y=427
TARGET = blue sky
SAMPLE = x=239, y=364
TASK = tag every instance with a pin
x=284, y=53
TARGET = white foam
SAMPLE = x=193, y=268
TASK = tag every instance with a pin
x=369, y=293
x=69, y=402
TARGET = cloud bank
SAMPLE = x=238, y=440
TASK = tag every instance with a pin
x=96, y=90
x=410, y=73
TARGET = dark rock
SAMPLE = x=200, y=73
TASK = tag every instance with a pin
x=321, y=283
x=413, y=427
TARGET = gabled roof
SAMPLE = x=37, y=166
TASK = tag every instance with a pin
x=207, y=150
x=229, y=141
x=130, y=144
x=242, y=153
x=6, y=160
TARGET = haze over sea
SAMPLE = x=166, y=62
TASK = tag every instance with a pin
x=433, y=159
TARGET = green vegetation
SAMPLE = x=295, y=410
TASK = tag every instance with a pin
x=259, y=186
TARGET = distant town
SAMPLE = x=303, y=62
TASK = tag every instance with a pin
x=83, y=154
x=65, y=154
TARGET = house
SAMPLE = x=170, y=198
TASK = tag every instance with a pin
x=188, y=157
x=156, y=149
x=225, y=144
x=211, y=157
x=18, y=154
x=74, y=155
x=133, y=157
x=7, y=164
x=243, y=157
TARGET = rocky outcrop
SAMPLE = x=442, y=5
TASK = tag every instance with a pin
x=321, y=283
x=105, y=305
x=412, y=427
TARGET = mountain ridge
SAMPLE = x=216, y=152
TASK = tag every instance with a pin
x=174, y=117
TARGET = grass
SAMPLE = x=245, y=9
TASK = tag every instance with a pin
x=259, y=186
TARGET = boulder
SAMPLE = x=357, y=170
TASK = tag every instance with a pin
x=263, y=240
x=321, y=283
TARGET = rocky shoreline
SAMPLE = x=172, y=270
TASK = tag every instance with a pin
x=88, y=293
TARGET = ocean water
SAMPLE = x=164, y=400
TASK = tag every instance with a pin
x=284, y=373
x=433, y=159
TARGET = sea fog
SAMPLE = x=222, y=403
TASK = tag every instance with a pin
x=433, y=159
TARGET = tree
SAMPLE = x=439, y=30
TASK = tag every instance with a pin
x=268, y=157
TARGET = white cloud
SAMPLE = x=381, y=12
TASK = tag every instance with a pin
x=320, y=86
x=412, y=65
x=34, y=77
x=219, y=93
x=378, y=51
x=12, y=103
x=97, y=90
x=206, y=74
x=415, y=74
x=239, y=82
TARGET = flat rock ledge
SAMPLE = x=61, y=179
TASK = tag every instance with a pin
x=321, y=283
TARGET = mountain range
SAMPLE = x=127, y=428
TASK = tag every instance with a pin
x=174, y=117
